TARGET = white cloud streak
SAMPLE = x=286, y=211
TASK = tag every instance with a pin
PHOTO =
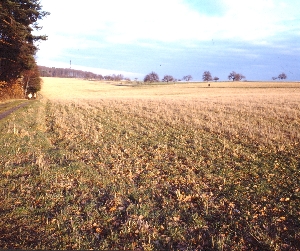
x=119, y=21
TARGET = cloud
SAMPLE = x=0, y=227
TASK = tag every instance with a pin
x=118, y=21
x=123, y=21
x=249, y=20
x=133, y=35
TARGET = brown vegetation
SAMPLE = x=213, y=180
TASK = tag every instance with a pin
x=11, y=91
x=153, y=168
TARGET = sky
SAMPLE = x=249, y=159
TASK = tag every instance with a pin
x=259, y=38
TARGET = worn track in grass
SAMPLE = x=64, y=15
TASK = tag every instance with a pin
x=11, y=110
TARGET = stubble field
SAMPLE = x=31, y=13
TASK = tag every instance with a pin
x=94, y=165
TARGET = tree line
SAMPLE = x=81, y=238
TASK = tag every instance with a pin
x=67, y=73
x=151, y=77
x=206, y=76
x=72, y=73
x=19, y=73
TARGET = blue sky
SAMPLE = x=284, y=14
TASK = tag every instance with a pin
x=258, y=38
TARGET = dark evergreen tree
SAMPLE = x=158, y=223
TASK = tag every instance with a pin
x=18, y=18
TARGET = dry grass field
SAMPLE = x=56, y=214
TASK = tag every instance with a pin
x=95, y=165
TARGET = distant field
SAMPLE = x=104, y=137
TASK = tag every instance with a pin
x=185, y=166
x=68, y=89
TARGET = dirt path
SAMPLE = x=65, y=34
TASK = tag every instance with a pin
x=11, y=110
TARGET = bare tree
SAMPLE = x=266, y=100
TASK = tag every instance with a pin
x=232, y=76
x=187, y=78
x=151, y=77
x=108, y=78
x=235, y=76
x=282, y=76
x=215, y=79
x=240, y=77
x=118, y=77
x=207, y=76
x=168, y=78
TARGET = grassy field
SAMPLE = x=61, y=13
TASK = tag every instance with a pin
x=95, y=165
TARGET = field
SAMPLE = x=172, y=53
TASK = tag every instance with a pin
x=94, y=165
